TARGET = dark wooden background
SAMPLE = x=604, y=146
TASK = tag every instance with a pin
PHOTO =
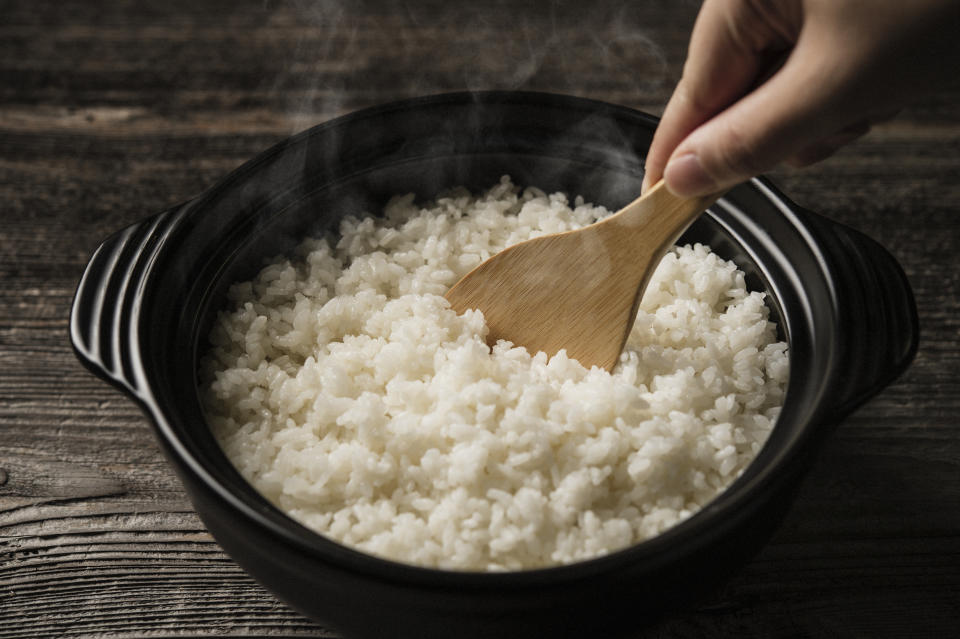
x=113, y=110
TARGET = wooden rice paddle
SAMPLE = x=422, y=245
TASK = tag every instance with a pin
x=578, y=290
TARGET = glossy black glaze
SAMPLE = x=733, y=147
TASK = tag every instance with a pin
x=147, y=299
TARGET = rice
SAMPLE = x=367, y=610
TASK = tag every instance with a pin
x=344, y=389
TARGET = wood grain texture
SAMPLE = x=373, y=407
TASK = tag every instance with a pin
x=113, y=110
x=578, y=291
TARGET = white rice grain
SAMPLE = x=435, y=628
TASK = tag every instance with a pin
x=345, y=390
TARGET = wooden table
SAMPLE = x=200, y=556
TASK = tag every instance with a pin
x=113, y=110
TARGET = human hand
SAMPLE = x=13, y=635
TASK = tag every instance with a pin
x=768, y=81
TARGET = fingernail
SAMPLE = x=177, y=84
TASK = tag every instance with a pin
x=685, y=177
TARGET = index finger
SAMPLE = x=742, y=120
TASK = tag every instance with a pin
x=732, y=43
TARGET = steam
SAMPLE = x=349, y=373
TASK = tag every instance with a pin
x=346, y=54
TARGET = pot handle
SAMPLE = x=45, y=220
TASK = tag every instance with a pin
x=103, y=326
x=877, y=313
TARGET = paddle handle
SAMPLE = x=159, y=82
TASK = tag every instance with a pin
x=649, y=226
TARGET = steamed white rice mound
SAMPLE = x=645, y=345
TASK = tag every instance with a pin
x=349, y=394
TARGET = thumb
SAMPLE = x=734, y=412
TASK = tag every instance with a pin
x=733, y=45
x=791, y=111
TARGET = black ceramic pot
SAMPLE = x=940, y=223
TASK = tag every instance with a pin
x=147, y=299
